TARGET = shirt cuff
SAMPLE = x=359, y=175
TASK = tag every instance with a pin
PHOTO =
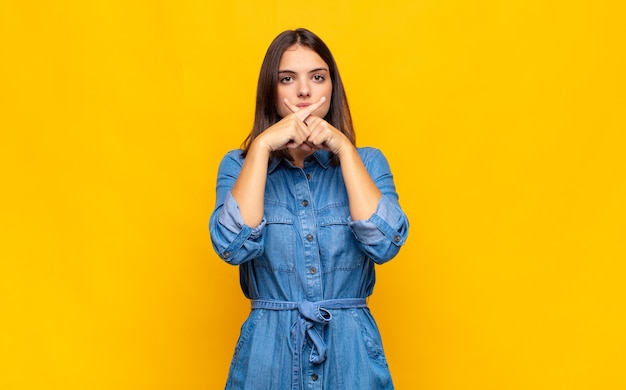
x=230, y=218
x=380, y=225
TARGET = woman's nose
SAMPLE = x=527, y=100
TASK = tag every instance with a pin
x=303, y=90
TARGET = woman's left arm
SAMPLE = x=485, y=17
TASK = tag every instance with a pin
x=382, y=234
x=377, y=220
x=363, y=194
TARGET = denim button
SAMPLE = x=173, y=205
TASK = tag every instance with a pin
x=308, y=176
x=397, y=238
x=305, y=203
x=309, y=237
x=313, y=270
x=314, y=377
x=226, y=255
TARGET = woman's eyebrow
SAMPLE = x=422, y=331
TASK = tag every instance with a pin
x=311, y=71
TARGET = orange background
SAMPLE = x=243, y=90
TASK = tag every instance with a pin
x=503, y=122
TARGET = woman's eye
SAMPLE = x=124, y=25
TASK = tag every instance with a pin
x=286, y=79
x=319, y=77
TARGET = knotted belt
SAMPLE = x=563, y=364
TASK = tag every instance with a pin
x=310, y=313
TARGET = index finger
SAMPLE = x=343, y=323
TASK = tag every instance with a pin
x=303, y=113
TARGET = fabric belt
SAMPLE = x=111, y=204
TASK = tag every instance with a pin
x=309, y=314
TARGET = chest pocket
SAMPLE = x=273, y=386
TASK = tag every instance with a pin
x=279, y=240
x=338, y=246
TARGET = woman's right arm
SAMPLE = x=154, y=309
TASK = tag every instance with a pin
x=233, y=240
x=249, y=188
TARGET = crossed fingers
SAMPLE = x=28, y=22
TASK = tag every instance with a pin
x=303, y=113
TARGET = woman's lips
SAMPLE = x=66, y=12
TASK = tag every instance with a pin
x=303, y=105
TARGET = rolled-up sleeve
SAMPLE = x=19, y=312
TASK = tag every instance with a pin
x=382, y=235
x=232, y=239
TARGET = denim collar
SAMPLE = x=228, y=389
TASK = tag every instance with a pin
x=322, y=157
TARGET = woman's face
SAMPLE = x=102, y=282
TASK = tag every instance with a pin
x=303, y=78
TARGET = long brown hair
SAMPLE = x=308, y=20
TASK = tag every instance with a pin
x=266, y=115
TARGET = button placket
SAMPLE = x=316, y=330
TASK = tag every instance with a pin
x=310, y=262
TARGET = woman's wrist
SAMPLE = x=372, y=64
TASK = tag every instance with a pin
x=345, y=150
x=259, y=146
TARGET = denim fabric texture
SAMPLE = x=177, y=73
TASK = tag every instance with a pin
x=308, y=269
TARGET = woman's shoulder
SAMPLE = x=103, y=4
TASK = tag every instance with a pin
x=373, y=159
x=369, y=152
x=232, y=160
x=234, y=155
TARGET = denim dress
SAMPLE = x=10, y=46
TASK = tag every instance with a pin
x=307, y=269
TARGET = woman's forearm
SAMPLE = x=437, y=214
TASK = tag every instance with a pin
x=249, y=189
x=363, y=194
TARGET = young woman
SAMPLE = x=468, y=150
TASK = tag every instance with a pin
x=306, y=215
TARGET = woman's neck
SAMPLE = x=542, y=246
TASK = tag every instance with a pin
x=298, y=156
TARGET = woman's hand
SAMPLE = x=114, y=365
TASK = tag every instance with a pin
x=291, y=131
x=320, y=134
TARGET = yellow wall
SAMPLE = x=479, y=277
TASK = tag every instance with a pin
x=504, y=123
